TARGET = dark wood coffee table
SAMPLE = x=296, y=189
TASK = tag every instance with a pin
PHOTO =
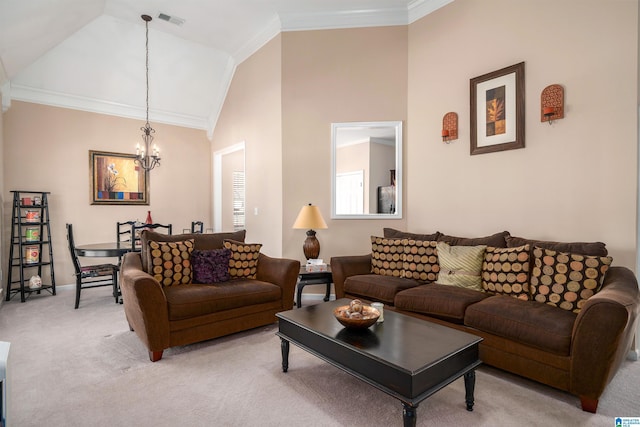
x=405, y=357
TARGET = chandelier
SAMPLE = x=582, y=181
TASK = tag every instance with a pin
x=147, y=157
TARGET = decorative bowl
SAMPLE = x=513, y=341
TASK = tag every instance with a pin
x=369, y=317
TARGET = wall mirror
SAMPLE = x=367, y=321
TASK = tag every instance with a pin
x=366, y=170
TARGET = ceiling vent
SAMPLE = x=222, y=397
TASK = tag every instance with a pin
x=173, y=19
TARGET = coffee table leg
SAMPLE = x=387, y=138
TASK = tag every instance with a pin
x=469, y=387
x=409, y=415
x=284, y=347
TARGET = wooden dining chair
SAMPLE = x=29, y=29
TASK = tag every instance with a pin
x=91, y=276
x=197, y=227
x=123, y=231
x=136, y=229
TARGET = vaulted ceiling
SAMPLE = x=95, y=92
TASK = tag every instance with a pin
x=90, y=54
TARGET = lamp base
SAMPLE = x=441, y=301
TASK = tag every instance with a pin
x=311, y=246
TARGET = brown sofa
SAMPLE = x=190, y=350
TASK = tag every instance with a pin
x=167, y=316
x=578, y=353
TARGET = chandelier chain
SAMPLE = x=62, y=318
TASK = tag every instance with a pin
x=147, y=65
x=148, y=156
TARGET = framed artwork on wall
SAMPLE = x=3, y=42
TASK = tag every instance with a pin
x=116, y=179
x=497, y=110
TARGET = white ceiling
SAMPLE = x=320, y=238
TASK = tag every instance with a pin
x=90, y=54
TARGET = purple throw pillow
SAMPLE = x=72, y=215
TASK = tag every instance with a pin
x=210, y=266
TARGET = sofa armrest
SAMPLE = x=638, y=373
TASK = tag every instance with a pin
x=282, y=272
x=603, y=333
x=145, y=304
x=345, y=266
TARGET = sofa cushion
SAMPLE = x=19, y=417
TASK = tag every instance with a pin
x=460, y=265
x=527, y=322
x=201, y=241
x=375, y=287
x=210, y=266
x=243, y=262
x=185, y=302
x=387, y=256
x=496, y=240
x=171, y=262
x=442, y=301
x=506, y=271
x=566, y=280
x=392, y=233
x=594, y=248
x=420, y=260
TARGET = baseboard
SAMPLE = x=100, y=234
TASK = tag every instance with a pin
x=633, y=354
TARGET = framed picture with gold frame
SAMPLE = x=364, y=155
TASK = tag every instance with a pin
x=116, y=179
x=497, y=110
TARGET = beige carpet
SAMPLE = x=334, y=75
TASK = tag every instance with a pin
x=85, y=368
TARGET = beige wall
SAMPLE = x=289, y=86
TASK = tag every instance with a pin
x=252, y=113
x=3, y=257
x=576, y=179
x=334, y=76
x=46, y=149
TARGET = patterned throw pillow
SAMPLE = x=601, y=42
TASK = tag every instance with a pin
x=210, y=266
x=460, y=265
x=420, y=260
x=566, y=280
x=171, y=262
x=506, y=271
x=243, y=263
x=387, y=256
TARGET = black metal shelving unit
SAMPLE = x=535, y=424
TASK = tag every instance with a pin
x=30, y=250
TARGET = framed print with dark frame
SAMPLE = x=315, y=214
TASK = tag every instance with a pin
x=497, y=110
x=116, y=179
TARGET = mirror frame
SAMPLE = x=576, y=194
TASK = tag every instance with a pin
x=335, y=127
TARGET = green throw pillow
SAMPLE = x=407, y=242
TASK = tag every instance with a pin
x=460, y=265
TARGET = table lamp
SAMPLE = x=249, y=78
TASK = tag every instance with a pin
x=310, y=217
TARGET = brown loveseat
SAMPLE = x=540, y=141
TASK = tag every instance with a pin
x=167, y=316
x=575, y=352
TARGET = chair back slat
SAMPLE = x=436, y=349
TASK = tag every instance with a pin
x=123, y=231
x=197, y=227
x=72, y=249
x=137, y=229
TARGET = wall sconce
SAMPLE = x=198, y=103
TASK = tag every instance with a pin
x=552, y=103
x=449, y=127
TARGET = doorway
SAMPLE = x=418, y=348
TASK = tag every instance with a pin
x=229, y=193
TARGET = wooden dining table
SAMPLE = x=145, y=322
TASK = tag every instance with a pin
x=106, y=250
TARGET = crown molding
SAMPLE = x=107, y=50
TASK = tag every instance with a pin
x=421, y=8
x=343, y=19
x=225, y=84
x=74, y=102
x=334, y=20
x=360, y=18
x=272, y=29
x=5, y=88
x=5, y=94
x=3, y=74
